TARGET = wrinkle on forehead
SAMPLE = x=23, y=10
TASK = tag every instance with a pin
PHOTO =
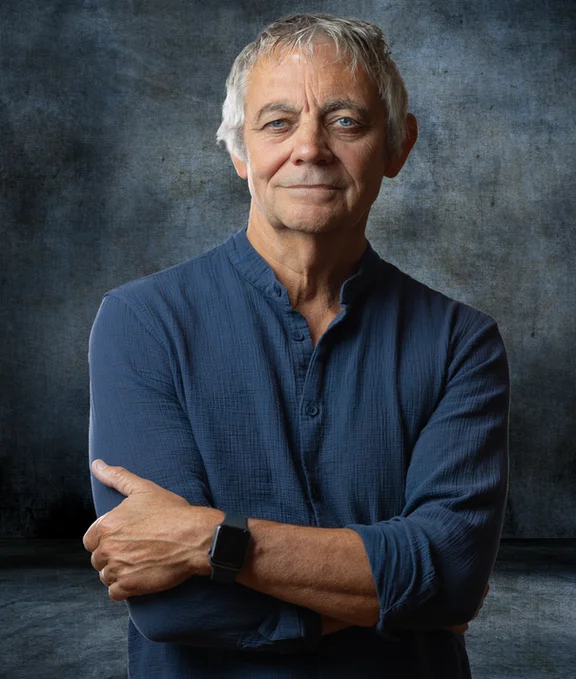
x=322, y=82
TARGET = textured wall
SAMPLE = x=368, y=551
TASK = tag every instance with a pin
x=109, y=170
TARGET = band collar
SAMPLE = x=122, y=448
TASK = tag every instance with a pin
x=252, y=266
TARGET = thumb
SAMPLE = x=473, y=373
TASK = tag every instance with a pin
x=119, y=478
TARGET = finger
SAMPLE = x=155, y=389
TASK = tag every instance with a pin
x=103, y=578
x=97, y=561
x=116, y=593
x=119, y=478
x=91, y=537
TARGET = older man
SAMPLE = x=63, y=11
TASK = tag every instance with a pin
x=309, y=448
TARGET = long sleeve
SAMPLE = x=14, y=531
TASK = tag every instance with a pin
x=431, y=563
x=138, y=422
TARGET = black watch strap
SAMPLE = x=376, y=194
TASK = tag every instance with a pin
x=235, y=520
x=221, y=573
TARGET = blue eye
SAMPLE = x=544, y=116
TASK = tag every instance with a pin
x=272, y=123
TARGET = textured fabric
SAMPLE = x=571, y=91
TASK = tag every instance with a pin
x=204, y=379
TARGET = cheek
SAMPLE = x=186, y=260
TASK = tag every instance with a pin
x=272, y=158
x=372, y=168
x=361, y=162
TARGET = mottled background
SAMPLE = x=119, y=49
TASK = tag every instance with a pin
x=109, y=170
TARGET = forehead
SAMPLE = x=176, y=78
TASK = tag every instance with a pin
x=293, y=74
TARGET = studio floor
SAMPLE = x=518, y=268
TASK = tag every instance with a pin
x=57, y=621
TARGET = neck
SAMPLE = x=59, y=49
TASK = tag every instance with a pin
x=312, y=266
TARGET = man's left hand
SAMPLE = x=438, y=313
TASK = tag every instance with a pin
x=152, y=541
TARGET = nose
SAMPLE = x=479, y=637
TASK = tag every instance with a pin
x=310, y=144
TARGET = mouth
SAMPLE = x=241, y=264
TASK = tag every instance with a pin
x=313, y=186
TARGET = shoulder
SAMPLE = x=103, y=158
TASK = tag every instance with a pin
x=430, y=310
x=158, y=298
x=438, y=338
x=430, y=328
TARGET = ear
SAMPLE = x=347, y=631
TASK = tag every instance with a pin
x=240, y=165
x=394, y=165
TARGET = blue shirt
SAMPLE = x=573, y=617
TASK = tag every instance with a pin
x=204, y=379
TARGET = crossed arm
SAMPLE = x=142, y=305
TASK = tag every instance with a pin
x=294, y=571
x=311, y=567
x=306, y=566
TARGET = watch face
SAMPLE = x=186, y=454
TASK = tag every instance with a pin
x=230, y=546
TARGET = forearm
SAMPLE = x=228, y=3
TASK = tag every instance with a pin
x=311, y=567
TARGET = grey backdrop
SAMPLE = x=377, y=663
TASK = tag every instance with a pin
x=109, y=171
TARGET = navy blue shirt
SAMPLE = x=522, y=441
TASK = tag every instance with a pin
x=204, y=379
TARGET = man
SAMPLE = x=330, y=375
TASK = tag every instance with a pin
x=309, y=448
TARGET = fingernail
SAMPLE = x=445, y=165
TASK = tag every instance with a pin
x=99, y=465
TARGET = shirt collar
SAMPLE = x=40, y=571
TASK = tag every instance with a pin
x=252, y=266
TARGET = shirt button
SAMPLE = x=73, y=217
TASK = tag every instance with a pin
x=298, y=335
x=311, y=410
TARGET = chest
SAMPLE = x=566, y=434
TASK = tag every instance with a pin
x=318, y=322
x=300, y=436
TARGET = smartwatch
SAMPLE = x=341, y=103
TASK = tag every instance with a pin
x=229, y=548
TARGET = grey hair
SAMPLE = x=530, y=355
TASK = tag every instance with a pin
x=361, y=41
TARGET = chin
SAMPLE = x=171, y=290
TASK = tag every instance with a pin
x=308, y=226
x=308, y=222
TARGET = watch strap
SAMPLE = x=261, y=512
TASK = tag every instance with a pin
x=235, y=520
x=223, y=574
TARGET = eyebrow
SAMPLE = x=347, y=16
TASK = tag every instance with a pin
x=328, y=107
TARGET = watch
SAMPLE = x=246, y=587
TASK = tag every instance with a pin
x=229, y=548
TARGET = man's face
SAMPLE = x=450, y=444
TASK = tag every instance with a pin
x=310, y=122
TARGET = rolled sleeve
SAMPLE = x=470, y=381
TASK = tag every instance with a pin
x=138, y=422
x=431, y=564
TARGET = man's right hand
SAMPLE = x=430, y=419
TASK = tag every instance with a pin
x=330, y=625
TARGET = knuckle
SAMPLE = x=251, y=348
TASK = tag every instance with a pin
x=107, y=524
x=104, y=549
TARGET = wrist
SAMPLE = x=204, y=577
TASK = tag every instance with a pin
x=206, y=523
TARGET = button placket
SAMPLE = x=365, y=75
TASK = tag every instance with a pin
x=310, y=414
